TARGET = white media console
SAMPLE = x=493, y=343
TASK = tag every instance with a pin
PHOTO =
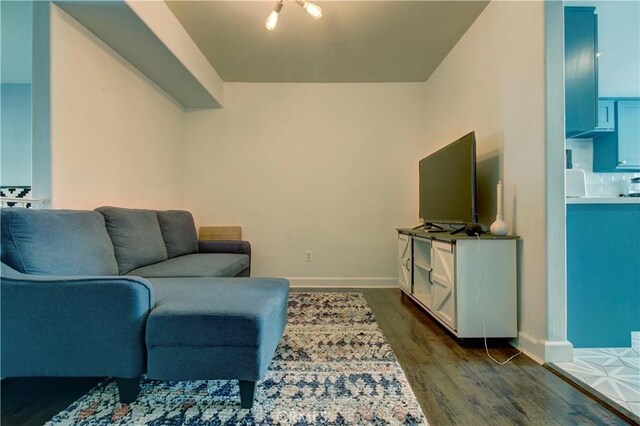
x=461, y=281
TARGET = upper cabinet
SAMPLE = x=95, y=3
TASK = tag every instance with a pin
x=602, y=88
x=619, y=151
x=629, y=134
x=581, y=70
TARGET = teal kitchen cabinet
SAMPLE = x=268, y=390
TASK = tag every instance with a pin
x=581, y=70
x=628, y=114
x=603, y=278
x=606, y=115
x=619, y=151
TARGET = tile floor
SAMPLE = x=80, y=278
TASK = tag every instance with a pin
x=614, y=372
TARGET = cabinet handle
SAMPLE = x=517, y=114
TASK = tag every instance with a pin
x=406, y=264
x=429, y=276
x=622, y=163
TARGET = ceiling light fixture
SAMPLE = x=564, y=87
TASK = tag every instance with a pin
x=312, y=9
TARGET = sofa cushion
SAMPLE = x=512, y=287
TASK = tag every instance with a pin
x=217, y=311
x=136, y=237
x=56, y=242
x=196, y=265
x=178, y=232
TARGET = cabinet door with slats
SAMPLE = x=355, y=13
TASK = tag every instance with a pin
x=443, y=278
x=404, y=265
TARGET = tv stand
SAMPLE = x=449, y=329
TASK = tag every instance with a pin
x=445, y=274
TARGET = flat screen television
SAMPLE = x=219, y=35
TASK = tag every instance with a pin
x=448, y=183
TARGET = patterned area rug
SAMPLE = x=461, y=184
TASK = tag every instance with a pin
x=333, y=366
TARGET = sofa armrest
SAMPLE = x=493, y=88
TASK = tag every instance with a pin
x=74, y=326
x=224, y=246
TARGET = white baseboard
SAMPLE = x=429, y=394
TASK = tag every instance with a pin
x=635, y=340
x=344, y=282
x=531, y=347
x=558, y=351
x=542, y=351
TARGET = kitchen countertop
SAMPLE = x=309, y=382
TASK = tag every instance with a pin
x=603, y=200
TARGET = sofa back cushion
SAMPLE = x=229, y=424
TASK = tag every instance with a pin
x=56, y=242
x=136, y=237
x=178, y=232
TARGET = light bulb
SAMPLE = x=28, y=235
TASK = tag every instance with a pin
x=313, y=9
x=272, y=20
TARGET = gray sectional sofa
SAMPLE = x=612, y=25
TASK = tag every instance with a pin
x=123, y=292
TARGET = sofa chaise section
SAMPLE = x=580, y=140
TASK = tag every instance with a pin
x=244, y=319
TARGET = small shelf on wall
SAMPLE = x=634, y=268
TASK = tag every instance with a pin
x=149, y=37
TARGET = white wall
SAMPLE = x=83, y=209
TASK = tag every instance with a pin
x=493, y=81
x=619, y=46
x=15, y=148
x=115, y=137
x=330, y=168
x=16, y=30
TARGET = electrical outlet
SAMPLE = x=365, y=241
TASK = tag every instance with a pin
x=307, y=256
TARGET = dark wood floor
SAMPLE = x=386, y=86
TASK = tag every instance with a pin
x=462, y=386
x=455, y=385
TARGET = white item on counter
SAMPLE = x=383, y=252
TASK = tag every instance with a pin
x=634, y=187
x=576, y=183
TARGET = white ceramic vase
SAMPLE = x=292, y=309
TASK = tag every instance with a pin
x=499, y=227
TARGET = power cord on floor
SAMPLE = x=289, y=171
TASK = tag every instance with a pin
x=484, y=325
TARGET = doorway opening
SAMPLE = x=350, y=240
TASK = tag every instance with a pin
x=601, y=316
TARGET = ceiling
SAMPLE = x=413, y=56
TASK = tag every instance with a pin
x=354, y=41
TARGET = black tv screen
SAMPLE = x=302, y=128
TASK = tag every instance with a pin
x=448, y=183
